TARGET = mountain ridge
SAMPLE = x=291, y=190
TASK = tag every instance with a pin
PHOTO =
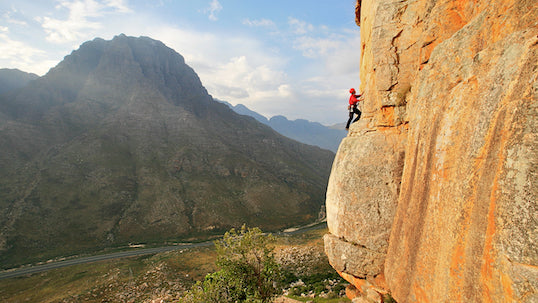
x=14, y=78
x=120, y=143
x=312, y=133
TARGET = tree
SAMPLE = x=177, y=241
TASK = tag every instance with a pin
x=248, y=270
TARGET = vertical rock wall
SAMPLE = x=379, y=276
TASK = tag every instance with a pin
x=433, y=194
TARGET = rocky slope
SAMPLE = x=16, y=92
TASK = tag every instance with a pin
x=432, y=196
x=121, y=143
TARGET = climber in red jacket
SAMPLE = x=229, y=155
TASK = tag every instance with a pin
x=353, y=107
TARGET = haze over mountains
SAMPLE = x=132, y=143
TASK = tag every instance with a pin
x=312, y=133
x=13, y=78
x=121, y=143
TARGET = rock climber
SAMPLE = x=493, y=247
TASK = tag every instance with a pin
x=353, y=107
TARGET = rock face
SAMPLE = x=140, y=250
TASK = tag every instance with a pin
x=363, y=188
x=435, y=189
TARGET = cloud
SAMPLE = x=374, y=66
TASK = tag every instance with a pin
x=317, y=41
x=341, y=54
x=345, y=58
x=319, y=92
x=8, y=17
x=214, y=8
x=257, y=77
x=304, y=71
x=312, y=47
x=66, y=25
x=235, y=74
x=285, y=90
x=11, y=48
x=231, y=91
x=61, y=31
x=17, y=54
x=78, y=22
x=338, y=50
x=300, y=27
x=117, y=5
x=259, y=23
x=240, y=75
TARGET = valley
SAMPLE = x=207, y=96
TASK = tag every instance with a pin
x=164, y=276
x=131, y=251
x=121, y=143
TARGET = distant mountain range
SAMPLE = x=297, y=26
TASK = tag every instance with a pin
x=304, y=131
x=11, y=79
x=120, y=143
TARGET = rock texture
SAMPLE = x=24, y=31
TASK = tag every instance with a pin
x=433, y=194
x=363, y=188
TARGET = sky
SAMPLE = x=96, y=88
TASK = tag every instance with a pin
x=296, y=58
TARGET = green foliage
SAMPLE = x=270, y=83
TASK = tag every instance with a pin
x=248, y=270
x=387, y=298
x=329, y=283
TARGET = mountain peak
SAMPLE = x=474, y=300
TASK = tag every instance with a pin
x=122, y=134
x=127, y=64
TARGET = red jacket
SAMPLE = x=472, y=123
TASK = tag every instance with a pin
x=353, y=99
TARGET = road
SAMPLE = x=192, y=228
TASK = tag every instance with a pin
x=12, y=273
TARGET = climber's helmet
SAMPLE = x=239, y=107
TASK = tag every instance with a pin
x=352, y=91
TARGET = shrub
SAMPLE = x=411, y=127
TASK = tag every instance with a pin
x=248, y=270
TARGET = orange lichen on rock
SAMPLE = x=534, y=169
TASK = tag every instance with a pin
x=365, y=288
x=436, y=185
x=387, y=113
x=352, y=292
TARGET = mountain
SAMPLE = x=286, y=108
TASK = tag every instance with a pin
x=243, y=110
x=13, y=78
x=304, y=131
x=312, y=133
x=120, y=143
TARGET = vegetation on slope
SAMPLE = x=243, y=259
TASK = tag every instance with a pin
x=168, y=275
x=120, y=143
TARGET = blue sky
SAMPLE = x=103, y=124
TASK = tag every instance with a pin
x=296, y=58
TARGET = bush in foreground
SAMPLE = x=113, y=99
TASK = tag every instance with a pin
x=248, y=270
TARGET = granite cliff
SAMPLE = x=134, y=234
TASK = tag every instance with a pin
x=432, y=195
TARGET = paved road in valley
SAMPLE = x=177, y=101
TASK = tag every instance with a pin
x=12, y=273
x=138, y=252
